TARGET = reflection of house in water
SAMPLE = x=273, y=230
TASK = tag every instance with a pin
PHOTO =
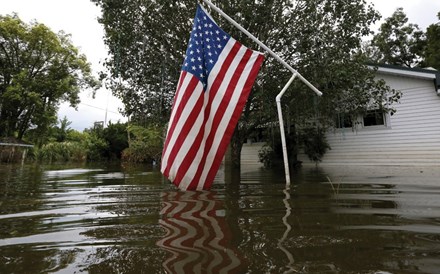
x=410, y=136
x=392, y=191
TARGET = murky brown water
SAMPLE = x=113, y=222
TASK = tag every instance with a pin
x=108, y=219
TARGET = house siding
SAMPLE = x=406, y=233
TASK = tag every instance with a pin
x=411, y=136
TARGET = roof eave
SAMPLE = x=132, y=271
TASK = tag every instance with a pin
x=426, y=74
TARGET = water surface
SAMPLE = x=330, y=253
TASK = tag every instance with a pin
x=116, y=219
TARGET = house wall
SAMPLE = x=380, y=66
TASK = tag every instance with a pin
x=411, y=136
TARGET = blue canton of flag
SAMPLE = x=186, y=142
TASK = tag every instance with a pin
x=205, y=45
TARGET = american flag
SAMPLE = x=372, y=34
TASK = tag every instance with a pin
x=216, y=79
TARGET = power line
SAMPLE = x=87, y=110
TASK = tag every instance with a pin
x=103, y=109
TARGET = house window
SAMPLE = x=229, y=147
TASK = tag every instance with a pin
x=343, y=120
x=374, y=117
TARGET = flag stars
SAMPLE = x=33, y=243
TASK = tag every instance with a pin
x=206, y=43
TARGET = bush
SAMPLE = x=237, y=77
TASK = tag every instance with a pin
x=267, y=156
x=80, y=147
x=314, y=143
x=60, y=152
x=145, y=146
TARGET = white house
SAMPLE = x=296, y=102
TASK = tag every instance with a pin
x=411, y=136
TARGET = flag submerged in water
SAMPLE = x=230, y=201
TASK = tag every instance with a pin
x=216, y=79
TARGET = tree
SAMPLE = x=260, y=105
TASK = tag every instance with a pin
x=398, y=42
x=63, y=130
x=116, y=136
x=432, y=52
x=147, y=41
x=146, y=45
x=145, y=145
x=38, y=70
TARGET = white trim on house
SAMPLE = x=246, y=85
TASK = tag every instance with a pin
x=420, y=73
x=409, y=73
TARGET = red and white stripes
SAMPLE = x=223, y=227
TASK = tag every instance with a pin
x=203, y=121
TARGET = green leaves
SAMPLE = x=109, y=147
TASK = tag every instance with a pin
x=432, y=52
x=145, y=145
x=399, y=42
x=38, y=70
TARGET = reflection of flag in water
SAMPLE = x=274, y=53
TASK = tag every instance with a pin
x=197, y=234
x=215, y=82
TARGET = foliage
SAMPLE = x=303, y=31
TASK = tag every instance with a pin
x=432, y=52
x=115, y=135
x=314, y=143
x=95, y=147
x=117, y=138
x=77, y=147
x=63, y=130
x=320, y=37
x=145, y=145
x=398, y=42
x=267, y=156
x=61, y=152
x=55, y=133
x=97, y=144
x=311, y=140
x=145, y=38
x=38, y=70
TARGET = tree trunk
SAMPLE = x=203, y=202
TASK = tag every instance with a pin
x=292, y=147
x=232, y=160
x=236, y=146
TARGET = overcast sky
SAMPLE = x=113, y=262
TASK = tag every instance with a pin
x=78, y=18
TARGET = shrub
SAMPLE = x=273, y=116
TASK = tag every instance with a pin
x=314, y=143
x=145, y=146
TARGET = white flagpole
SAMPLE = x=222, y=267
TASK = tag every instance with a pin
x=263, y=46
x=278, y=98
x=283, y=136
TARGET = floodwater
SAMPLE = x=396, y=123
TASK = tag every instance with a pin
x=114, y=219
